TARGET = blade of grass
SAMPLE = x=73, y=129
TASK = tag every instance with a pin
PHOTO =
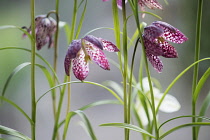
x=12, y=132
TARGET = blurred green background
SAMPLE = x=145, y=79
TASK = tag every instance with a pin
x=181, y=14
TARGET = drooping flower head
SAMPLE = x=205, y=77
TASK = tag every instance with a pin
x=81, y=51
x=45, y=27
x=155, y=38
x=151, y=4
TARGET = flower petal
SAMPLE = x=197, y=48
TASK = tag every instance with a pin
x=152, y=47
x=109, y=46
x=168, y=50
x=72, y=52
x=80, y=67
x=155, y=61
x=119, y=3
x=152, y=4
x=152, y=32
x=170, y=103
x=94, y=40
x=171, y=33
x=98, y=56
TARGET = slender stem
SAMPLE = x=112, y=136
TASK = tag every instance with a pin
x=69, y=96
x=117, y=31
x=196, y=58
x=125, y=52
x=33, y=88
x=55, y=129
x=74, y=17
x=130, y=82
x=135, y=12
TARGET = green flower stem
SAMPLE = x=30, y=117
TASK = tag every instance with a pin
x=56, y=125
x=196, y=58
x=125, y=54
x=33, y=88
x=68, y=109
x=135, y=12
x=130, y=82
x=117, y=31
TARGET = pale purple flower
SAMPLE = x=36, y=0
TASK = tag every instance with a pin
x=45, y=28
x=155, y=36
x=81, y=51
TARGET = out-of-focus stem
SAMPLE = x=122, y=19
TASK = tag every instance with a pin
x=33, y=87
x=196, y=58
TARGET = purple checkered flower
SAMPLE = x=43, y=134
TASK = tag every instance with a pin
x=152, y=4
x=81, y=51
x=45, y=28
x=155, y=36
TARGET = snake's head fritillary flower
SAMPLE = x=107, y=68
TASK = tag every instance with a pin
x=119, y=3
x=45, y=28
x=155, y=38
x=81, y=51
x=151, y=4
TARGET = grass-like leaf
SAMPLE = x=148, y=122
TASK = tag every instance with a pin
x=15, y=27
x=204, y=107
x=12, y=132
x=28, y=50
x=17, y=107
x=86, y=122
x=97, y=103
x=176, y=79
x=88, y=82
x=186, y=116
x=15, y=71
x=66, y=28
x=184, y=126
x=200, y=84
x=129, y=126
x=117, y=87
x=81, y=19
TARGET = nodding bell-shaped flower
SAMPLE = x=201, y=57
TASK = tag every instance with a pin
x=81, y=51
x=151, y=4
x=155, y=36
x=45, y=28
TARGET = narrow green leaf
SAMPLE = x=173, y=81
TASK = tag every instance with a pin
x=97, y=103
x=88, y=82
x=17, y=107
x=87, y=124
x=118, y=88
x=66, y=28
x=15, y=71
x=204, y=107
x=12, y=132
x=129, y=126
x=176, y=79
x=183, y=126
x=27, y=50
x=186, y=116
x=200, y=85
x=16, y=27
x=81, y=20
x=85, y=120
